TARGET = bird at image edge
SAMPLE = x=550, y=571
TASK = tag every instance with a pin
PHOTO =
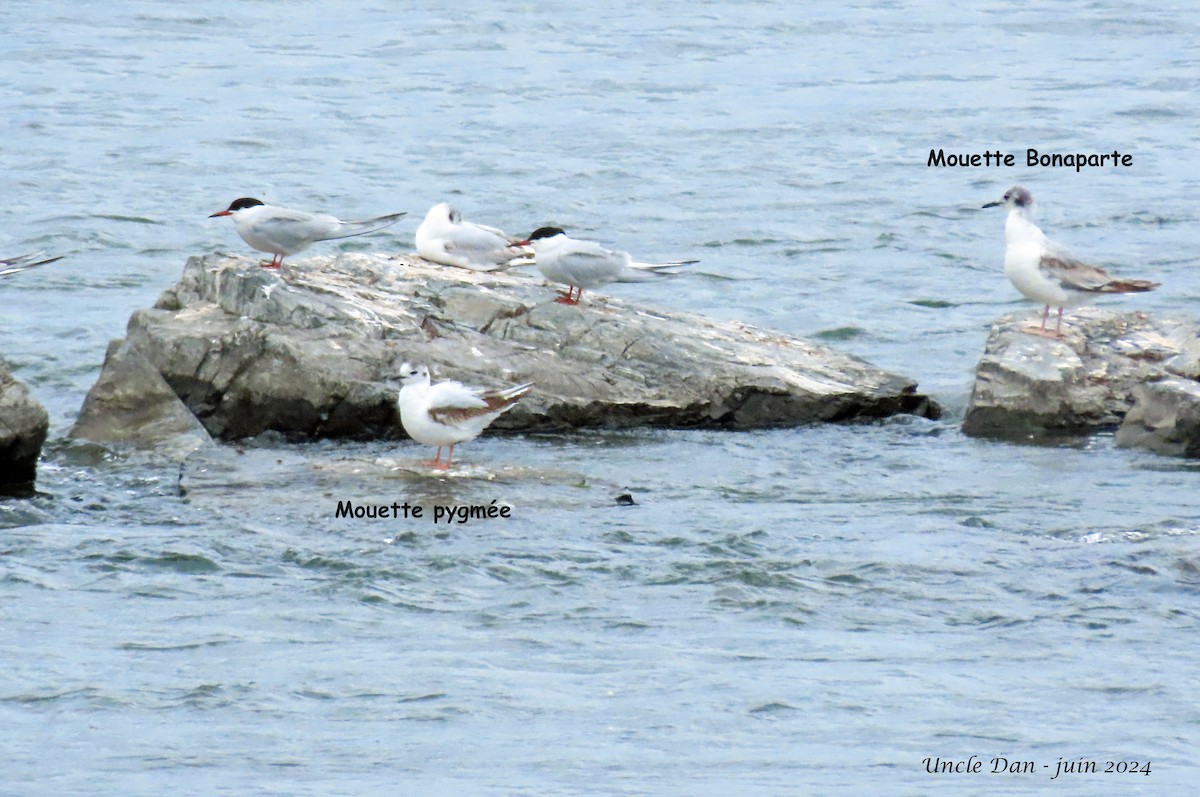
x=13, y=265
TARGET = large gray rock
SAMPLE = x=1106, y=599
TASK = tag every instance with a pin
x=132, y=404
x=1030, y=386
x=315, y=350
x=23, y=427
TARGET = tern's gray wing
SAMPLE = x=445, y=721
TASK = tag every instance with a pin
x=590, y=264
x=12, y=265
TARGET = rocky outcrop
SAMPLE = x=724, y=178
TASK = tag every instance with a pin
x=1092, y=378
x=23, y=427
x=132, y=404
x=314, y=350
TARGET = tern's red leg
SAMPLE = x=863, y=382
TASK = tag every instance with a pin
x=1045, y=315
x=436, y=462
x=570, y=297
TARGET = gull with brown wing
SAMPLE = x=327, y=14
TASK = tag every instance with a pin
x=1046, y=271
x=449, y=412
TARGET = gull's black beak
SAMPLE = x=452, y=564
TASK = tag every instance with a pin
x=992, y=205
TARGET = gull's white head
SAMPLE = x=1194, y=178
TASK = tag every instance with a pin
x=542, y=235
x=442, y=213
x=1015, y=197
x=413, y=374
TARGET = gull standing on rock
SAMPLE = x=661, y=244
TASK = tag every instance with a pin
x=1045, y=271
x=282, y=232
x=584, y=264
x=449, y=412
x=12, y=265
x=445, y=238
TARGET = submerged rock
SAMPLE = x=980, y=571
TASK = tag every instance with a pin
x=23, y=426
x=132, y=404
x=1030, y=386
x=315, y=349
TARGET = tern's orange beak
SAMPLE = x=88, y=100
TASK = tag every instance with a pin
x=222, y=213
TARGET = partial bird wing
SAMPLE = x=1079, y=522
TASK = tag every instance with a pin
x=589, y=263
x=482, y=246
x=453, y=402
x=1057, y=263
x=12, y=265
x=293, y=229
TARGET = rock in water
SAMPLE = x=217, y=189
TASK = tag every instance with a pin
x=131, y=404
x=23, y=427
x=1165, y=418
x=315, y=350
x=1028, y=386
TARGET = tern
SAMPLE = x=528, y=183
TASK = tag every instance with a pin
x=585, y=264
x=1046, y=271
x=282, y=232
x=12, y=265
x=448, y=413
x=445, y=238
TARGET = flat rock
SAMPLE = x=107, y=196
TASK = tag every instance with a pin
x=23, y=427
x=132, y=404
x=314, y=350
x=1027, y=386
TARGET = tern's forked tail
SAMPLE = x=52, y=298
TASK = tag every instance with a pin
x=644, y=272
x=352, y=228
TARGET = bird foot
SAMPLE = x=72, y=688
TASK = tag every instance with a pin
x=1043, y=333
x=565, y=299
x=436, y=464
x=272, y=264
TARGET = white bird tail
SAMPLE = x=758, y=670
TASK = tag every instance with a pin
x=352, y=228
x=644, y=272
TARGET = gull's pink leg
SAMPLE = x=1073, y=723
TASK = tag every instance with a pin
x=436, y=462
x=1042, y=331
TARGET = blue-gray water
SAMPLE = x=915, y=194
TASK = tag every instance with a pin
x=809, y=611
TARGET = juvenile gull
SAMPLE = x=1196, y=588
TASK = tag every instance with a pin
x=585, y=264
x=282, y=231
x=449, y=412
x=1045, y=271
